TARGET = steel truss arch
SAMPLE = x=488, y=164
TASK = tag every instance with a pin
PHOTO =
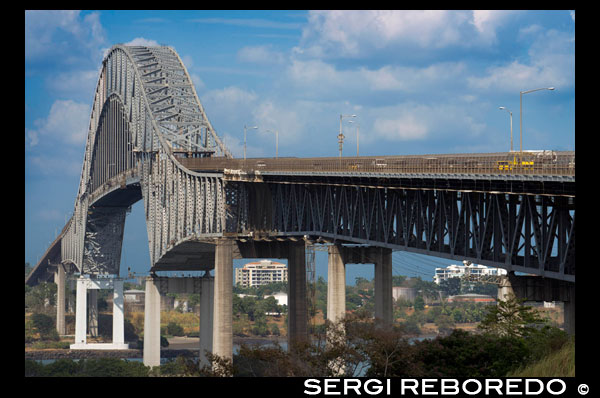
x=145, y=116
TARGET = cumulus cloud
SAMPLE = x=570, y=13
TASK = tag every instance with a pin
x=62, y=36
x=351, y=33
x=67, y=122
x=550, y=62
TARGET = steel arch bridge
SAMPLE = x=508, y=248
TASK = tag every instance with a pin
x=149, y=138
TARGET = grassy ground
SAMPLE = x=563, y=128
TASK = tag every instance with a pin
x=560, y=363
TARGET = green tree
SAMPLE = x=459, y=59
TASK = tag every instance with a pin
x=450, y=286
x=511, y=318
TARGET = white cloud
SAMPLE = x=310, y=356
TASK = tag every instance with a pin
x=140, y=41
x=551, y=63
x=264, y=55
x=230, y=96
x=81, y=83
x=356, y=33
x=57, y=165
x=404, y=128
x=63, y=36
x=67, y=122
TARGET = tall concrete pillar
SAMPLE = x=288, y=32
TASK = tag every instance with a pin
x=206, y=318
x=383, y=286
x=59, y=279
x=505, y=289
x=569, y=311
x=152, y=323
x=223, y=299
x=93, y=312
x=336, y=284
x=118, y=313
x=297, y=305
x=81, y=312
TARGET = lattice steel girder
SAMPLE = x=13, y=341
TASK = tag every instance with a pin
x=527, y=233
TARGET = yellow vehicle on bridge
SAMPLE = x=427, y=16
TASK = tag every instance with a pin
x=520, y=164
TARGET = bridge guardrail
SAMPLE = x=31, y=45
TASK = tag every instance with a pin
x=546, y=163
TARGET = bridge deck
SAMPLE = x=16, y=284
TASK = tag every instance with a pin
x=540, y=165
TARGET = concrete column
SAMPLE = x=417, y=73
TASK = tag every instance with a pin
x=206, y=318
x=336, y=285
x=223, y=299
x=93, y=312
x=297, y=305
x=569, y=311
x=505, y=289
x=152, y=323
x=59, y=279
x=383, y=286
x=118, y=313
x=81, y=312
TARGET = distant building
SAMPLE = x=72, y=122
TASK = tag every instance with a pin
x=134, y=296
x=261, y=273
x=405, y=293
x=457, y=271
x=472, y=298
x=281, y=297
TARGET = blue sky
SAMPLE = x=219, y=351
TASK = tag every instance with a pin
x=420, y=82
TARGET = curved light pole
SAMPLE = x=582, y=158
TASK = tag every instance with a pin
x=341, y=136
x=521, y=110
x=276, y=141
x=511, y=130
x=255, y=127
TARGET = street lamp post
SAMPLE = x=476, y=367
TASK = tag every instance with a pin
x=511, y=129
x=521, y=110
x=255, y=127
x=276, y=141
x=341, y=136
x=357, y=129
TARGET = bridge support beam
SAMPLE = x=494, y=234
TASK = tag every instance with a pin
x=152, y=323
x=60, y=279
x=206, y=317
x=223, y=299
x=93, y=312
x=336, y=284
x=383, y=287
x=297, y=306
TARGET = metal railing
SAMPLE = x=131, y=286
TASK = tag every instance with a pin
x=548, y=163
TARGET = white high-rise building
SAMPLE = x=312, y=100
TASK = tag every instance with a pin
x=457, y=271
x=261, y=273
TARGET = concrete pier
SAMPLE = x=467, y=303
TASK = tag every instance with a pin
x=206, y=318
x=384, y=312
x=152, y=323
x=60, y=280
x=223, y=301
x=85, y=283
x=93, y=312
x=336, y=284
x=297, y=305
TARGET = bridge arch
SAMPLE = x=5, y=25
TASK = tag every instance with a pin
x=146, y=116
